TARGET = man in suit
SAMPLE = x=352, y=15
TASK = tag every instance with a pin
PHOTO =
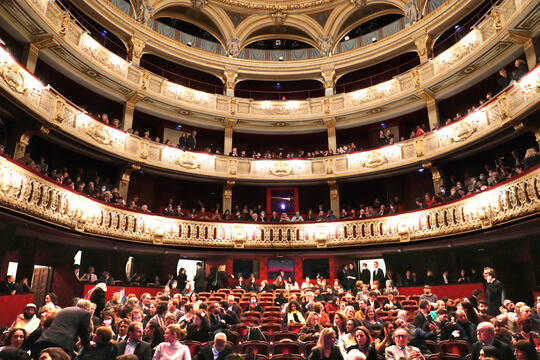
x=486, y=336
x=402, y=349
x=200, y=278
x=378, y=274
x=423, y=314
x=218, y=350
x=494, y=291
x=134, y=343
x=69, y=323
x=350, y=277
x=191, y=141
x=232, y=306
x=365, y=275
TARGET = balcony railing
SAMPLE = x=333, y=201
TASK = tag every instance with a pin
x=28, y=193
x=159, y=94
x=58, y=113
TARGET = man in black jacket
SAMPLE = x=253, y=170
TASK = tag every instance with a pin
x=69, y=323
x=365, y=275
x=200, y=278
x=191, y=141
x=134, y=343
x=219, y=348
x=494, y=291
x=423, y=315
x=486, y=336
x=378, y=274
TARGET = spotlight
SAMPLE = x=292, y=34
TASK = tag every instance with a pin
x=346, y=38
x=190, y=43
x=278, y=85
x=373, y=39
x=104, y=33
x=277, y=43
x=178, y=127
x=383, y=126
x=282, y=206
x=281, y=58
x=421, y=170
x=457, y=27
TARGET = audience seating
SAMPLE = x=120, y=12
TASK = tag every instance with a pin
x=194, y=347
x=456, y=347
x=256, y=347
x=281, y=335
x=295, y=327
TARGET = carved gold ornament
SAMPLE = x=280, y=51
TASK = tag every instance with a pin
x=462, y=131
x=14, y=78
x=188, y=161
x=281, y=168
x=99, y=133
x=374, y=159
x=59, y=109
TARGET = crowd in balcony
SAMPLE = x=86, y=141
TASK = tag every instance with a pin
x=360, y=315
x=454, y=188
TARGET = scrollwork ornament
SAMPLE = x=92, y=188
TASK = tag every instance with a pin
x=188, y=161
x=281, y=168
x=462, y=131
x=374, y=159
x=325, y=45
x=59, y=109
x=98, y=133
x=14, y=78
x=233, y=47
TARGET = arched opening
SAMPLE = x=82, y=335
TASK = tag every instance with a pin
x=279, y=44
x=378, y=73
x=103, y=36
x=183, y=75
x=188, y=28
x=279, y=90
x=370, y=26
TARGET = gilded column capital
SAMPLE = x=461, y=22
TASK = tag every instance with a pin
x=231, y=77
x=278, y=17
x=135, y=98
x=197, y=4
x=135, y=49
x=329, y=77
x=358, y=3
x=229, y=123
x=330, y=122
x=44, y=42
x=428, y=96
x=424, y=46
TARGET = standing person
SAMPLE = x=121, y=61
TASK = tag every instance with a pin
x=365, y=275
x=378, y=274
x=67, y=325
x=200, y=278
x=191, y=141
x=350, y=277
x=494, y=291
x=182, y=279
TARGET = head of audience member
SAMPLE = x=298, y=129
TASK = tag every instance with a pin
x=135, y=332
x=401, y=337
x=525, y=350
x=53, y=353
x=173, y=334
x=220, y=340
x=15, y=338
x=363, y=338
x=327, y=338
x=486, y=333
x=103, y=335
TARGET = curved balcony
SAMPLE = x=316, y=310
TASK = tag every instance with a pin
x=58, y=113
x=472, y=57
x=31, y=194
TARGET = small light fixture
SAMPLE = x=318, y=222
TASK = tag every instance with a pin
x=373, y=39
x=277, y=43
x=281, y=58
x=190, y=43
x=346, y=38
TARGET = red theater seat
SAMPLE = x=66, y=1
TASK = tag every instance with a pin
x=255, y=347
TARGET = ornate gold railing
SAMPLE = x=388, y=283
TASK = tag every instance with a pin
x=28, y=193
x=59, y=113
x=473, y=52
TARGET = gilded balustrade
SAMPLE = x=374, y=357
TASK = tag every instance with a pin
x=161, y=94
x=58, y=113
x=31, y=194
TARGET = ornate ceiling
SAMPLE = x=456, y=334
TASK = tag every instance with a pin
x=237, y=23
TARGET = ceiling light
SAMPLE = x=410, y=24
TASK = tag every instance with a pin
x=190, y=43
x=277, y=43
x=346, y=38
x=373, y=39
x=281, y=58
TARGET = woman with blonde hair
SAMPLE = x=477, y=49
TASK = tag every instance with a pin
x=171, y=349
x=326, y=348
x=312, y=329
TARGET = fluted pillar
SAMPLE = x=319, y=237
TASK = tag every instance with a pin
x=334, y=196
x=227, y=195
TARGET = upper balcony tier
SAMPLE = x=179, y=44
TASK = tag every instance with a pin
x=31, y=194
x=490, y=44
x=56, y=112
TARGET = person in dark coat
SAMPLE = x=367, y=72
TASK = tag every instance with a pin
x=486, y=336
x=103, y=349
x=521, y=69
x=98, y=297
x=219, y=346
x=69, y=323
x=531, y=159
x=134, y=343
x=182, y=279
x=191, y=142
x=494, y=292
x=365, y=275
x=200, y=278
x=326, y=348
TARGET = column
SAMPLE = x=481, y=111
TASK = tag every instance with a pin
x=227, y=195
x=31, y=51
x=22, y=143
x=331, y=128
x=438, y=181
x=228, y=140
x=125, y=179
x=529, y=45
x=231, y=78
x=432, y=108
x=328, y=77
x=424, y=47
x=135, y=50
x=129, y=110
x=334, y=196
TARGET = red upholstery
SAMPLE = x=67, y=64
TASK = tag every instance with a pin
x=290, y=335
x=451, y=291
x=194, y=347
x=255, y=347
x=286, y=347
